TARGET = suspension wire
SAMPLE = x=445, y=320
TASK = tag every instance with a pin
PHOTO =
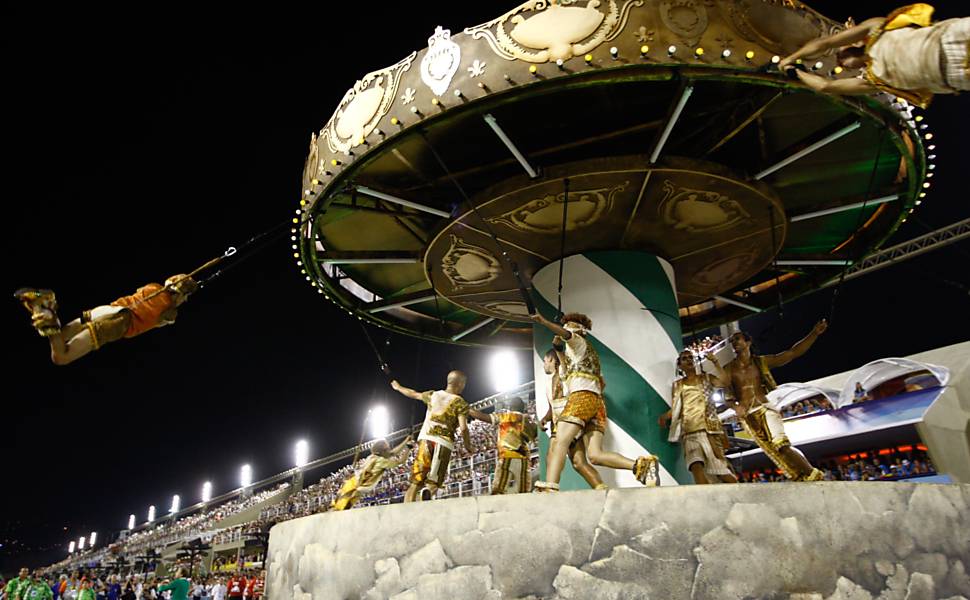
x=862, y=212
x=774, y=261
x=562, y=240
x=530, y=305
x=381, y=363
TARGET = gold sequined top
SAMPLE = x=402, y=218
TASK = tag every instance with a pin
x=441, y=426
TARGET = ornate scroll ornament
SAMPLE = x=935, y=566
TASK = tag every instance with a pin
x=686, y=18
x=722, y=270
x=511, y=308
x=311, y=162
x=440, y=63
x=549, y=30
x=544, y=215
x=699, y=210
x=466, y=265
x=363, y=106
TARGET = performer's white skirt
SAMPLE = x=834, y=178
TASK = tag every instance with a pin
x=956, y=51
x=698, y=448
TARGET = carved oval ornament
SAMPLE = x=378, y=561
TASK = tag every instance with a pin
x=363, y=106
x=440, y=64
x=686, y=18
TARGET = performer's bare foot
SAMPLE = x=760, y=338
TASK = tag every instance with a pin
x=42, y=306
x=646, y=471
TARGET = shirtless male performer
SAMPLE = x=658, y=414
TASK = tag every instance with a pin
x=447, y=414
x=364, y=480
x=694, y=423
x=552, y=366
x=749, y=376
x=904, y=54
x=585, y=412
x=152, y=306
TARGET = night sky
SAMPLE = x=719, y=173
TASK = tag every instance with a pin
x=142, y=149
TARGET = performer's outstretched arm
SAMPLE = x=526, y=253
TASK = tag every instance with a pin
x=778, y=360
x=721, y=378
x=407, y=391
x=554, y=327
x=477, y=414
x=844, y=38
x=839, y=87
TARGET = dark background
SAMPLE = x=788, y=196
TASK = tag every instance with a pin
x=144, y=145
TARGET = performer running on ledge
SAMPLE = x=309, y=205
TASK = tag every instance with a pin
x=750, y=379
x=447, y=414
x=513, y=431
x=904, y=54
x=693, y=422
x=585, y=412
x=151, y=306
x=552, y=365
x=382, y=457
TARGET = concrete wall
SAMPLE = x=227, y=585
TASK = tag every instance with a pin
x=821, y=540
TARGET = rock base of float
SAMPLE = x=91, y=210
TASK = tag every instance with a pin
x=818, y=541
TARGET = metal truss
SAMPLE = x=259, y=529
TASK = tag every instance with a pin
x=887, y=257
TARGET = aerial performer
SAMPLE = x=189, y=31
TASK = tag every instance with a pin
x=904, y=54
x=513, y=431
x=151, y=306
x=447, y=415
x=694, y=423
x=365, y=479
x=749, y=376
x=584, y=415
x=552, y=366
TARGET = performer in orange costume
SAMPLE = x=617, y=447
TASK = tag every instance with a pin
x=153, y=305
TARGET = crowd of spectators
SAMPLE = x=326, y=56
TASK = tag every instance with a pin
x=807, y=407
x=703, y=346
x=886, y=465
x=94, y=584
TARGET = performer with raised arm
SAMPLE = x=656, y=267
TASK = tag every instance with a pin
x=552, y=366
x=447, y=414
x=694, y=423
x=584, y=414
x=364, y=480
x=749, y=376
x=514, y=431
x=152, y=306
x=904, y=54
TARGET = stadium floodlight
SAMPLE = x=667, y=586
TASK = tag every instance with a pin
x=504, y=370
x=151, y=513
x=131, y=521
x=246, y=475
x=80, y=543
x=380, y=422
x=176, y=504
x=207, y=491
x=93, y=538
x=301, y=453
x=70, y=547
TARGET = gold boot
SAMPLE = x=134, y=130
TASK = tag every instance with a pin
x=647, y=471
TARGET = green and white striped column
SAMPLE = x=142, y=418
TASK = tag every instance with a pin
x=631, y=299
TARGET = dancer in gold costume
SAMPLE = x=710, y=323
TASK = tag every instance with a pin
x=693, y=422
x=365, y=479
x=749, y=376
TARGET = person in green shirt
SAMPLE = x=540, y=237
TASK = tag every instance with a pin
x=14, y=586
x=86, y=593
x=179, y=587
x=36, y=589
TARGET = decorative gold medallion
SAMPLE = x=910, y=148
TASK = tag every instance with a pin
x=544, y=215
x=555, y=30
x=686, y=18
x=363, y=106
x=466, y=265
x=699, y=210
